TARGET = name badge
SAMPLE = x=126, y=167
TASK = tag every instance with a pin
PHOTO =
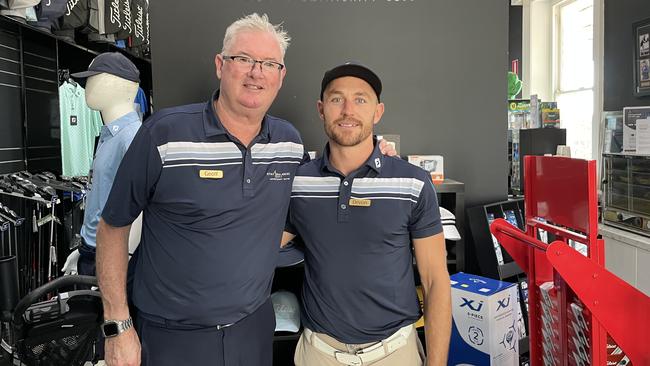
x=359, y=202
x=211, y=174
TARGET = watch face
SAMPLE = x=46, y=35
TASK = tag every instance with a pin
x=110, y=329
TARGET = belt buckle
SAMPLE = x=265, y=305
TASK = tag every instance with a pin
x=348, y=358
x=220, y=327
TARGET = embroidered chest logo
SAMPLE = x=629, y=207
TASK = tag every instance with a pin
x=211, y=174
x=278, y=176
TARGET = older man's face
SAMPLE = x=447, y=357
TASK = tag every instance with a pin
x=252, y=88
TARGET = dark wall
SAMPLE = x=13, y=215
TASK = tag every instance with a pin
x=619, y=48
x=443, y=64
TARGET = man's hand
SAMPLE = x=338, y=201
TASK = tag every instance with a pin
x=286, y=238
x=387, y=148
x=70, y=266
x=123, y=350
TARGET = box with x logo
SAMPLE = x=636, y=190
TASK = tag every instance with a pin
x=484, y=328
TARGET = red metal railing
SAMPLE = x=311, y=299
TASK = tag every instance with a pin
x=574, y=302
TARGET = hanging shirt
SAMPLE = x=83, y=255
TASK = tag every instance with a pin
x=114, y=140
x=79, y=127
x=141, y=99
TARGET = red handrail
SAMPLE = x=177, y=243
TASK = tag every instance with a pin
x=561, y=198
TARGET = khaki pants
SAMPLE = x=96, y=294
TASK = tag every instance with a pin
x=411, y=354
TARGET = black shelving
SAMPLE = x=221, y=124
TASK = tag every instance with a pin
x=484, y=255
x=30, y=60
x=451, y=195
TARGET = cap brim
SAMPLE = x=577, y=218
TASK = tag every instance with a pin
x=286, y=326
x=450, y=232
x=290, y=255
x=286, y=321
x=85, y=74
x=446, y=214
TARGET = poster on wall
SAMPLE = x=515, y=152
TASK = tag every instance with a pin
x=642, y=58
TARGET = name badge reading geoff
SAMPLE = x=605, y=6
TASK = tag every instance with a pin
x=211, y=174
x=358, y=202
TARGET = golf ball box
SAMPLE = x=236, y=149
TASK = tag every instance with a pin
x=484, y=329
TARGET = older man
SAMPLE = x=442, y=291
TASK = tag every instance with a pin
x=359, y=214
x=213, y=180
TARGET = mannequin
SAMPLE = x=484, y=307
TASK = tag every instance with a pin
x=113, y=97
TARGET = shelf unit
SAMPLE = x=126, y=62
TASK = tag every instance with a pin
x=451, y=195
x=30, y=59
x=483, y=248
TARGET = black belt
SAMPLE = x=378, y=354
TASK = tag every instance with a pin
x=172, y=324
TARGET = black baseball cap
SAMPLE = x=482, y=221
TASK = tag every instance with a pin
x=113, y=63
x=351, y=68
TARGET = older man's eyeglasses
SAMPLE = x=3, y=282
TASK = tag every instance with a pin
x=249, y=63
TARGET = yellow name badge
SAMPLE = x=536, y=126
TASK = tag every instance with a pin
x=359, y=202
x=211, y=174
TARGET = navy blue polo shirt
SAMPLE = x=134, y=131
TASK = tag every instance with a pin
x=359, y=284
x=214, y=211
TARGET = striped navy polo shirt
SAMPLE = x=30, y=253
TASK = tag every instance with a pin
x=214, y=211
x=359, y=284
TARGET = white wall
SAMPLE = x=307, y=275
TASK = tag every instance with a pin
x=538, y=57
x=537, y=49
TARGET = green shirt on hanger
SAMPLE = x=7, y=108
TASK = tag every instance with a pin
x=79, y=127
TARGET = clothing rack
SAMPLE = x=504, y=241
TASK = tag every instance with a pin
x=32, y=225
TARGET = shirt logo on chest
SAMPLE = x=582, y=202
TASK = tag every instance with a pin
x=278, y=176
x=211, y=174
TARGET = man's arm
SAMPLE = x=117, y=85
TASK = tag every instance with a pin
x=431, y=258
x=112, y=258
x=286, y=238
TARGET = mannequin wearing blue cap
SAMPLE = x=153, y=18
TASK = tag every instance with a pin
x=113, y=97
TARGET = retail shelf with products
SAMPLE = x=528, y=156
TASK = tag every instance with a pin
x=31, y=61
x=92, y=48
x=492, y=260
x=284, y=343
x=451, y=195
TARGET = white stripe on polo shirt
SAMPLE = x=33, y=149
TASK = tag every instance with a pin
x=199, y=164
x=305, y=184
x=184, y=150
x=406, y=186
x=202, y=156
x=276, y=162
x=277, y=150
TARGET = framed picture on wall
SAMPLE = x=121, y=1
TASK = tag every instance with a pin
x=642, y=58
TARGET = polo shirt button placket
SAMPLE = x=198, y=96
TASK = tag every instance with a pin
x=344, y=197
x=248, y=170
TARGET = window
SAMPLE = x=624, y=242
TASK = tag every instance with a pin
x=574, y=73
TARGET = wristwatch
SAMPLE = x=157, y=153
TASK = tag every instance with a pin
x=113, y=328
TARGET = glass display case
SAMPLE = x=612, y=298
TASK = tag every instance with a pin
x=627, y=192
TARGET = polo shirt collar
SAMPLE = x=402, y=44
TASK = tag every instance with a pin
x=119, y=124
x=374, y=162
x=213, y=126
